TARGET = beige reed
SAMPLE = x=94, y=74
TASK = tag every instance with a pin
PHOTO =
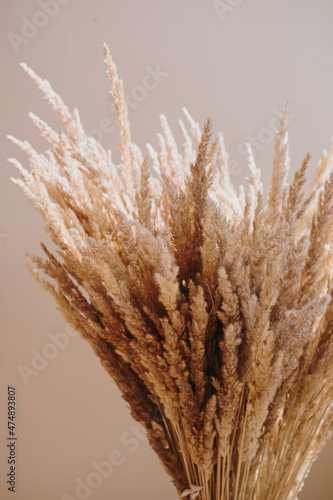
x=211, y=310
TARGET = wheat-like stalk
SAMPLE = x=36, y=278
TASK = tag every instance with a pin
x=211, y=310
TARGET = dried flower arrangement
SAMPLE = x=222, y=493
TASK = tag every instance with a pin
x=211, y=310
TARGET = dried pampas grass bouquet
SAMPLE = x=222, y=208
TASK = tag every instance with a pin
x=212, y=310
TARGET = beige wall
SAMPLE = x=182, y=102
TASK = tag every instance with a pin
x=238, y=67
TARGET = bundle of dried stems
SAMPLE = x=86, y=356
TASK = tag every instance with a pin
x=211, y=310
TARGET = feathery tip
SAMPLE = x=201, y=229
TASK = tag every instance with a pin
x=107, y=53
x=12, y=161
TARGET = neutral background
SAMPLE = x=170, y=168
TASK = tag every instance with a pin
x=237, y=64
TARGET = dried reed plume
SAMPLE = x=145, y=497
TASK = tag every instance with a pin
x=211, y=310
